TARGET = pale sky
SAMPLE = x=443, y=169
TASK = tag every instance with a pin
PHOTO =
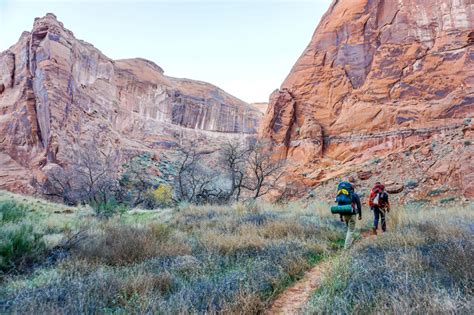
x=245, y=47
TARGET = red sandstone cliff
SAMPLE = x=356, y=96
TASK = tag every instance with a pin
x=377, y=78
x=57, y=92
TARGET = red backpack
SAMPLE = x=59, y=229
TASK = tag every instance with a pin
x=375, y=198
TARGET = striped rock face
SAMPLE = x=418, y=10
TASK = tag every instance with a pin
x=377, y=78
x=57, y=92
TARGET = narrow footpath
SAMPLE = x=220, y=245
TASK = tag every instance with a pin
x=293, y=299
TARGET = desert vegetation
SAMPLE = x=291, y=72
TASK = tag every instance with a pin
x=239, y=170
x=216, y=258
x=229, y=258
x=424, y=266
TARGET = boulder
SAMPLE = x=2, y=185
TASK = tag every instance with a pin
x=364, y=175
x=395, y=188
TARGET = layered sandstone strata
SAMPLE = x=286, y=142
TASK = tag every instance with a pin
x=377, y=77
x=58, y=92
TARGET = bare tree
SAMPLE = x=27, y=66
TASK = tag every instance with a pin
x=263, y=171
x=94, y=173
x=89, y=178
x=242, y=170
x=234, y=156
x=186, y=165
x=136, y=181
x=196, y=181
x=59, y=184
x=252, y=169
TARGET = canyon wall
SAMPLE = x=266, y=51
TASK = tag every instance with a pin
x=58, y=93
x=378, y=77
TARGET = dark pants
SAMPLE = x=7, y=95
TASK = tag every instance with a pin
x=379, y=213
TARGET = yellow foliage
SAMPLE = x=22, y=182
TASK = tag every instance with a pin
x=163, y=195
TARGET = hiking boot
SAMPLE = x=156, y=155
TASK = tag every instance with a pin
x=374, y=231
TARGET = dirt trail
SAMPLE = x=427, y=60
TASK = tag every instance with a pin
x=292, y=300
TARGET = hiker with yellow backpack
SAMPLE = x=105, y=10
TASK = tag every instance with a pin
x=348, y=206
x=379, y=204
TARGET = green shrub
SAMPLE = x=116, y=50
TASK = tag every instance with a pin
x=11, y=211
x=411, y=183
x=183, y=205
x=19, y=246
x=376, y=160
x=109, y=208
x=418, y=201
x=447, y=200
x=467, y=142
x=436, y=192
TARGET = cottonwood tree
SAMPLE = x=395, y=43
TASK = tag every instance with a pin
x=263, y=171
x=89, y=178
x=252, y=169
x=195, y=180
x=233, y=157
x=136, y=181
x=59, y=184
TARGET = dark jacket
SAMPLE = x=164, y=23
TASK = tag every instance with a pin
x=356, y=201
x=385, y=203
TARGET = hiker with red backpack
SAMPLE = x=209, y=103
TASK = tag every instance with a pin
x=379, y=204
x=348, y=206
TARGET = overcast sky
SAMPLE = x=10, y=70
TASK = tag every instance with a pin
x=245, y=47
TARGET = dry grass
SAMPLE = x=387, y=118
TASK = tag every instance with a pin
x=191, y=260
x=123, y=244
x=423, y=266
x=245, y=303
x=144, y=284
x=245, y=238
x=235, y=259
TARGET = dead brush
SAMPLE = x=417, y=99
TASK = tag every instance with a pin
x=122, y=245
x=145, y=284
x=296, y=267
x=282, y=229
x=246, y=237
x=291, y=228
x=245, y=303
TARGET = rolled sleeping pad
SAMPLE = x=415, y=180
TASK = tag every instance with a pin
x=346, y=209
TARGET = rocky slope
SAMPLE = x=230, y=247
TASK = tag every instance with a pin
x=58, y=92
x=377, y=78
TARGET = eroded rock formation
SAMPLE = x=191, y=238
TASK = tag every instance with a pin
x=57, y=92
x=377, y=77
x=261, y=106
